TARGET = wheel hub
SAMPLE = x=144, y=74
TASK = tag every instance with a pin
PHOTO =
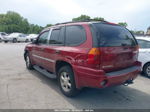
x=148, y=70
x=65, y=81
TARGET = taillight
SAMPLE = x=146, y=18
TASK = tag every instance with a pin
x=94, y=56
x=136, y=52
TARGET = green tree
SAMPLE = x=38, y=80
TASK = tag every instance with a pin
x=14, y=22
x=87, y=18
x=34, y=29
x=98, y=19
x=123, y=24
x=48, y=25
x=82, y=18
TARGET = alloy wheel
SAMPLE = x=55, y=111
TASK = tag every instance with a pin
x=65, y=81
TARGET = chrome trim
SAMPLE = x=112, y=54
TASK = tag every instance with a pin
x=49, y=35
x=50, y=60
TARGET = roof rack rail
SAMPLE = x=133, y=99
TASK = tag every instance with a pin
x=78, y=21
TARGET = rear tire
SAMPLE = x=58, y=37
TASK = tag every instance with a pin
x=146, y=70
x=5, y=41
x=26, y=40
x=67, y=82
x=14, y=40
x=28, y=62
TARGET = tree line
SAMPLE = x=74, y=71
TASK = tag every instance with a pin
x=14, y=22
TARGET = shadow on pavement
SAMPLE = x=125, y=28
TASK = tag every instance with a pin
x=124, y=97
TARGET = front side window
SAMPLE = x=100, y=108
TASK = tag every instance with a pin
x=75, y=35
x=43, y=38
x=57, y=36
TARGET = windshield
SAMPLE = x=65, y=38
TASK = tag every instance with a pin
x=14, y=34
x=113, y=35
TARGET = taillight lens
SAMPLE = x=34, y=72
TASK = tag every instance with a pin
x=94, y=56
x=136, y=52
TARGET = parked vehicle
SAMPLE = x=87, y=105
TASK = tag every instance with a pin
x=144, y=55
x=16, y=37
x=2, y=35
x=85, y=54
x=32, y=37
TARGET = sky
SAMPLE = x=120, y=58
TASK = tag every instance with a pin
x=135, y=12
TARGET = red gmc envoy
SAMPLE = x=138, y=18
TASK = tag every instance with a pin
x=85, y=54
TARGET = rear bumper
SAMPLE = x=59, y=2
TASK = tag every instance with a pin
x=86, y=77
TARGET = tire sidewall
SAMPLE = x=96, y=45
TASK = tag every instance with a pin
x=73, y=90
x=145, y=69
x=14, y=40
x=26, y=40
x=30, y=66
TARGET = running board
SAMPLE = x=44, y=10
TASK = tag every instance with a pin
x=44, y=72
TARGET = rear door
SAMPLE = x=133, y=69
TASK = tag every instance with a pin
x=52, y=51
x=118, y=47
x=21, y=38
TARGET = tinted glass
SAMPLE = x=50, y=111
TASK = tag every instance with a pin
x=75, y=35
x=144, y=43
x=57, y=36
x=43, y=38
x=113, y=35
x=3, y=33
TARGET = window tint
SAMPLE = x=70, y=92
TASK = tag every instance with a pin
x=3, y=33
x=75, y=35
x=144, y=43
x=113, y=35
x=43, y=38
x=57, y=36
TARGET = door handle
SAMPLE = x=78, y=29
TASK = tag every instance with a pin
x=57, y=51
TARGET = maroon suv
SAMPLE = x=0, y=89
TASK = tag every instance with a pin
x=85, y=54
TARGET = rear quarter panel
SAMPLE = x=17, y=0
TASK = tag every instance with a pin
x=144, y=56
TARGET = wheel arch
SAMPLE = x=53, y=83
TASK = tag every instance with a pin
x=59, y=64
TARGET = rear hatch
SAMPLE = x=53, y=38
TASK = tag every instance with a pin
x=117, y=46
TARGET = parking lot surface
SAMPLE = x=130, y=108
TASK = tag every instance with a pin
x=24, y=89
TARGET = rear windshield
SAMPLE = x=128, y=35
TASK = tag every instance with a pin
x=108, y=35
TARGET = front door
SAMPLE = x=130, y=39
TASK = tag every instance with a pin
x=39, y=48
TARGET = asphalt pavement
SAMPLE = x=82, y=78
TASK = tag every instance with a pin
x=24, y=89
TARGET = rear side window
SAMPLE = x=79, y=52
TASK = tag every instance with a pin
x=113, y=35
x=75, y=35
x=3, y=34
x=57, y=36
x=144, y=43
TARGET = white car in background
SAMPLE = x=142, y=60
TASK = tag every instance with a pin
x=15, y=37
x=144, y=55
x=32, y=37
x=2, y=35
